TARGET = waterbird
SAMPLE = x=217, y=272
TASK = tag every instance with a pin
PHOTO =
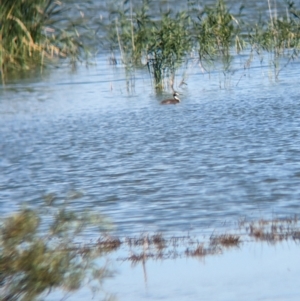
x=172, y=101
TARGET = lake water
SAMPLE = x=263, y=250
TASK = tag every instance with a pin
x=229, y=150
x=254, y=272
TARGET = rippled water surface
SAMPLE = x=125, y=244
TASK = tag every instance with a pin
x=229, y=150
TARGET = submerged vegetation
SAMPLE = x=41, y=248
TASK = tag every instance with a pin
x=157, y=246
x=144, y=34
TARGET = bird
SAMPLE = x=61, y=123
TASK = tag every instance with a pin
x=172, y=101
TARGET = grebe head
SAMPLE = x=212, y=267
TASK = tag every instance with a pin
x=176, y=96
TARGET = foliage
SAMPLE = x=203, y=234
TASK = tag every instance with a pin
x=35, y=258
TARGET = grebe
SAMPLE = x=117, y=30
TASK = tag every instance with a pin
x=172, y=101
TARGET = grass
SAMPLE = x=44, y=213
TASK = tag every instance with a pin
x=170, y=45
x=165, y=43
x=274, y=230
x=158, y=246
x=161, y=43
x=225, y=240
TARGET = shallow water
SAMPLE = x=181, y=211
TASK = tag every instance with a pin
x=229, y=150
x=254, y=272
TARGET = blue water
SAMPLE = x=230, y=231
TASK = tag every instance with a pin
x=229, y=150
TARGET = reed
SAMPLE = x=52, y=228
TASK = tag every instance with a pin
x=39, y=32
x=279, y=36
x=168, y=50
x=163, y=42
x=34, y=33
x=216, y=30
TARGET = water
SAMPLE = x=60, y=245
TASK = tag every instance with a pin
x=257, y=272
x=229, y=150
x=254, y=271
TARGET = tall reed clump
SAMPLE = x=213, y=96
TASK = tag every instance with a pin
x=169, y=47
x=32, y=33
x=216, y=30
x=36, y=258
x=161, y=43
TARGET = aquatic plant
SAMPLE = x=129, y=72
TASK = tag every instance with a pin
x=172, y=41
x=216, y=30
x=164, y=42
x=161, y=43
x=36, y=258
x=226, y=240
x=146, y=34
x=33, y=33
x=279, y=36
x=280, y=33
x=129, y=30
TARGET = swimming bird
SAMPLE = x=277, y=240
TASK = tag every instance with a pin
x=172, y=101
